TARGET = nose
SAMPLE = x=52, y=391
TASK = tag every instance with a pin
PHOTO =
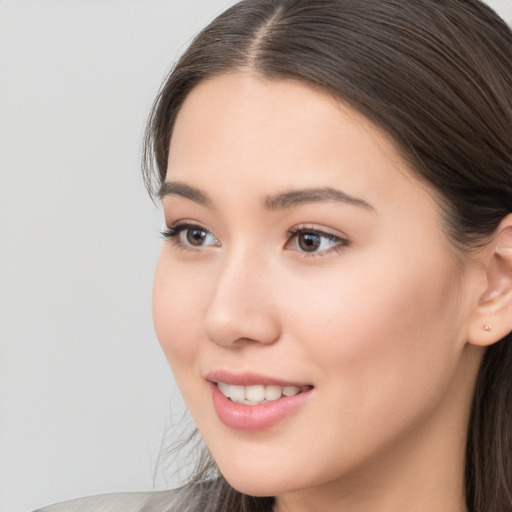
x=241, y=308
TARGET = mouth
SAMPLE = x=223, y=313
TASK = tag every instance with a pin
x=251, y=402
x=259, y=394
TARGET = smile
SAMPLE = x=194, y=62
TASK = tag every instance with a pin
x=258, y=394
x=253, y=403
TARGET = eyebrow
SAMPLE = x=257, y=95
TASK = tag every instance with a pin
x=178, y=188
x=281, y=201
x=295, y=198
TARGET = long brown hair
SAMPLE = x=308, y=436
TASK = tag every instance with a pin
x=436, y=75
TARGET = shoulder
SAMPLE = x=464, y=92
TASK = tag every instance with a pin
x=125, y=502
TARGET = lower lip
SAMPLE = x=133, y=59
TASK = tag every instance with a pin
x=252, y=418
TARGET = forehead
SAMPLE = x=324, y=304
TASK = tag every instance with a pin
x=278, y=134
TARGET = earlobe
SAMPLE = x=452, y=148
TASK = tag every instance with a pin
x=492, y=319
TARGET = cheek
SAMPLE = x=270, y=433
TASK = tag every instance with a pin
x=373, y=328
x=382, y=348
x=177, y=302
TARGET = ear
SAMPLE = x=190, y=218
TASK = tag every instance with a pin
x=492, y=318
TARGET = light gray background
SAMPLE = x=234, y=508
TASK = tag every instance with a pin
x=85, y=392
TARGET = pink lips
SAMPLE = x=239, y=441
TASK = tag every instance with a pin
x=253, y=418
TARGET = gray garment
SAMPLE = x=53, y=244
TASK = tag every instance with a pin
x=161, y=501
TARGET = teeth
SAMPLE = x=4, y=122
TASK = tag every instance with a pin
x=224, y=388
x=273, y=392
x=255, y=393
x=259, y=394
x=237, y=393
x=291, y=390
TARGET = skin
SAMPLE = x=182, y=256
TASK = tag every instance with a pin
x=378, y=323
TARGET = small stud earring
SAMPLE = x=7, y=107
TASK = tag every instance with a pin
x=487, y=328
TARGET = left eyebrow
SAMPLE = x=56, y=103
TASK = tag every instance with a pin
x=296, y=198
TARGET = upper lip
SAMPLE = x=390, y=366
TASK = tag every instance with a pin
x=249, y=379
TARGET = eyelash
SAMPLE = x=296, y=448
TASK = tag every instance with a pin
x=341, y=243
x=173, y=233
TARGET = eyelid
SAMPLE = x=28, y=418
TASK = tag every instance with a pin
x=342, y=240
x=173, y=234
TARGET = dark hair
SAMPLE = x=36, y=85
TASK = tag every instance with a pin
x=436, y=75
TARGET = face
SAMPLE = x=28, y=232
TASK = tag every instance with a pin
x=306, y=275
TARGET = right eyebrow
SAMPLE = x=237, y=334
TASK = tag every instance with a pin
x=178, y=188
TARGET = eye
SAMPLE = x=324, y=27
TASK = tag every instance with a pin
x=314, y=241
x=190, y=235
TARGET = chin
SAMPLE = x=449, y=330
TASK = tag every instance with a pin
x=260, y=482
x=254, y=487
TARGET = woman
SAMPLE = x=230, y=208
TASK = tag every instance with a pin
x=334, y=292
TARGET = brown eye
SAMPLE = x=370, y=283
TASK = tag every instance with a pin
x=313, y=242
x=309, y=242
x=195, y=236
x=190, y=235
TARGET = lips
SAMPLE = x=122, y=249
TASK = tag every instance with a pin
x=251, y=402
